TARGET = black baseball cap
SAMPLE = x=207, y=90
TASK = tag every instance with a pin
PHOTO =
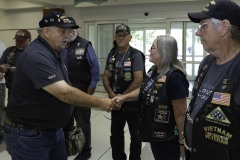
x=57, y=19
x=73, y=22
x=123, y=28
x=218, y=9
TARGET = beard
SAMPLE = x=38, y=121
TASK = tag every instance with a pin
x=72, y=37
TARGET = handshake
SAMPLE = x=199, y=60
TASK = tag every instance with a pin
x=116, y=102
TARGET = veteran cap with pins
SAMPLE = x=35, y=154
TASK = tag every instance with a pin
x=57, y=19
x=219, y=9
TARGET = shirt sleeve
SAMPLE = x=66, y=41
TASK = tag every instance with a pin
x=94, y=66
x=138, y=64
x=177, y=86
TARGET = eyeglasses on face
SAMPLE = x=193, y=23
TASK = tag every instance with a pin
x=152, y=48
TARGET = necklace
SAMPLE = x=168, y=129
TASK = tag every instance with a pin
x=123, y=52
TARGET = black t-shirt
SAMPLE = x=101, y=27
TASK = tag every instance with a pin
x=29, y=104
x=177, y=86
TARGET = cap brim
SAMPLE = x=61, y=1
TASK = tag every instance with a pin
x=197, y=16
x=122, y=31
x=19, y=38
x=68, y=26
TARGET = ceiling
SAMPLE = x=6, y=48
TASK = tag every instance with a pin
x=28, y=4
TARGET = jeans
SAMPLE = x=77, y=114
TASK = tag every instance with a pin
x=166, y=150
x=30, y=144
x=118, y=122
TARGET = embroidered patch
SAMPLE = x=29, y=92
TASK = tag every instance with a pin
x=218, y=117
x=163, y=107
x=110, y=66
x=217, y=134
x=159, y=134
x=127, y=76
x=221, y=98
x=161, y=116
x=52, y=76
x=79, y=51
x=127, y=63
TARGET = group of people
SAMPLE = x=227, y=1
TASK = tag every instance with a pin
x=60, y=72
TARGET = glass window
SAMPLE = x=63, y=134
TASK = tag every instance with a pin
x=105, y=39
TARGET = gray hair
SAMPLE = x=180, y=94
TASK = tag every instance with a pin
x=39, y=30
x=167, y=47
x=235, y=31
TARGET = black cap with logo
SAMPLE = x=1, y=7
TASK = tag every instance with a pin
x=123, y=28
x=220, y=10
x=57, y=19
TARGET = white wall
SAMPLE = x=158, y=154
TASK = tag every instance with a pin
x=28, y=19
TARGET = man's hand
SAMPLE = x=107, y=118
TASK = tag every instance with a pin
x=119, y=99
x=116, y=106
x=12, y=69
x=106, y=105
x=3, y=68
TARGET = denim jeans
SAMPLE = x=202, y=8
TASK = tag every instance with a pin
x=166, y=150
x=30, y=144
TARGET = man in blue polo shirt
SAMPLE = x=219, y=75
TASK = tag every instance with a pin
x=41, y=98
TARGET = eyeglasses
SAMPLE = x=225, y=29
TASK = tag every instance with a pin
x=152, y=48
x=200, y=27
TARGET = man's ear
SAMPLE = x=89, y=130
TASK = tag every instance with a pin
x=225, y=27
x=45, y=31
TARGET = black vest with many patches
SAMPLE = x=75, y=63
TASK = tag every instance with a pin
x=156, y=112
x=216, y=126
x=78, y=68
x=124, y=76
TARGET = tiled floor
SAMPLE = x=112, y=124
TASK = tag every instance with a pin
x=101, y=149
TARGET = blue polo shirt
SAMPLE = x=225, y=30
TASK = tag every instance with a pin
x=29, y=104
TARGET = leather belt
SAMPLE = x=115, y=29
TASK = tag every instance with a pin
x=9, y=121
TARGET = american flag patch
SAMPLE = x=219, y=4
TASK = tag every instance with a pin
x=128, y=63
x=221, y=98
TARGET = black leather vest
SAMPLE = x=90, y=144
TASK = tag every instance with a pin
x=10, y=61
x=156, y=112
x=126, y=73
x=125, y=76
x=78, y=68
x=216, y=131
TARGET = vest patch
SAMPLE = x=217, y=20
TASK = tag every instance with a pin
x=221, y=98
x=159, y=134
x=79, y=51
x=52, y=76
x=218, y=117
x=161, y=116
x=127, y=64
x=127, y=76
